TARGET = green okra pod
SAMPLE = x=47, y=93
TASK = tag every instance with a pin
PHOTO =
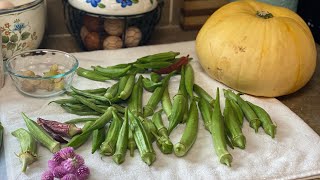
x=203, y=94
x=189, y=79
x=153, y=65
x=232, y=126
x=122, y=142
x=80, y=120
x=135, y=100
x=131, y=143
x=156, y=96
x=112, y=72
x=112, y=91
x=80, y=113
x=122, y=84
x=101, y=121
x=41, y=135
x=28, y=146
x=78, y=107
x=150, y=128
x=268, y=126
x=163, y=141
x=165, y=56
x=75, y=101
x=179, y=102
x=249, y=113
x=218, y=133
x=126, y=92
x=142, y=140
x=238, y=111
x=155, y=77
x=65, y=101
x=78, y=140
x=93, y=91
x=149, y=85
x=158, y=122
x=89, y=95
x=189, y=135
x=92, y=75
x=186, y=112
x=206, y=113
x=1, y=135
x=89, y=104
x=98, y=137
x=108, y=147
x=166, y=102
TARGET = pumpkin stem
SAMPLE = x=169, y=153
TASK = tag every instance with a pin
x=264, y=14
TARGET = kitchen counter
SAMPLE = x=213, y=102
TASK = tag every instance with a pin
x=305, y=102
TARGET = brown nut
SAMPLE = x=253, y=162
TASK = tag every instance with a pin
x=112, y=42
x=27, y=86
x=114, y=27
x=92, y=41
x=83, y=33
x=91, y=23
x=59, y=85
x=27, y=73
x=46, y=84
x=133, y=36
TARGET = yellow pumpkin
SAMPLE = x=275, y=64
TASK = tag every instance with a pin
x=257, y=48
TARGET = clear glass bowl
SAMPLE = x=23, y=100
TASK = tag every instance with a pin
x=42, y=72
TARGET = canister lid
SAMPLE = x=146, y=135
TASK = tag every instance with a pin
x=115, y=7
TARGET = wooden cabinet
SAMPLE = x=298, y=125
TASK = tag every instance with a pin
x=194, y=13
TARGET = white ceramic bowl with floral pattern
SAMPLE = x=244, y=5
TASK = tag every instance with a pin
x=23, y=26
x=115, y=7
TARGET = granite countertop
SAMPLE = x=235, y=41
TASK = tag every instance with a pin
x=305, y=102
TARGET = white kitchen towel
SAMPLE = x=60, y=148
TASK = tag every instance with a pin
x=293, y=154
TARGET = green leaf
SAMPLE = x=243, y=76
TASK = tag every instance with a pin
x=14, y=38
x=100, y=5
x=5, y=39
x=25, y=35
x=11, y=46
x=135, y=1
x=151, y=1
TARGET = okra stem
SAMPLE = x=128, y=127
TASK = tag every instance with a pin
x=28, y=146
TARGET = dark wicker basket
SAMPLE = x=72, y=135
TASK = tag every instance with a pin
x=145, y=22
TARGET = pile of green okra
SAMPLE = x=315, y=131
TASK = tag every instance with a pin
x=124, y=123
